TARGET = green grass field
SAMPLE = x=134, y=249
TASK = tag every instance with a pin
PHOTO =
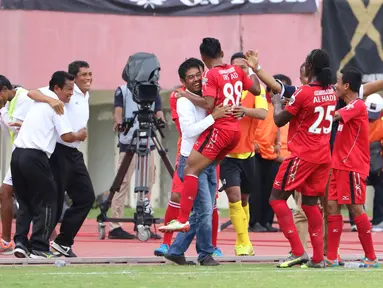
x=160, y=276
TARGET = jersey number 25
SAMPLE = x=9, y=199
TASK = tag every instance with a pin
x=324, y=113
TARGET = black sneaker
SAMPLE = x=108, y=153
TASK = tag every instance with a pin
x=61, y=250
x=257, y=228
x=35, y=254
x=154, y=236
x=21, y=250
x=270, y=228
x=209, y=261
x=119, y=233
x=179, y=260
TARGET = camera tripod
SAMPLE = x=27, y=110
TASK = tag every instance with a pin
x=140, y=145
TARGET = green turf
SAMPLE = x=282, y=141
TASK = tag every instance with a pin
x=160, y=212
x=160, y=276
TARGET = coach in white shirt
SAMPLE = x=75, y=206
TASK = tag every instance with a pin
x=68, y=163
x=33, y=181
x=193, y=121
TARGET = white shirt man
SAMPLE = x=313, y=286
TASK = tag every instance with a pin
x=69, y=168
x=14, y=111
x=33, y=181
x=42, y=127
x=77, y=111
x=9, y=115
x=193, y=121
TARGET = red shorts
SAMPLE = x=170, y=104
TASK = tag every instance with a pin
x=177, y=184
x=347, y=187
x=215, y=143
x=307, y=178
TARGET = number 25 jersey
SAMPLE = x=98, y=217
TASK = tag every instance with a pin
x=310, y=128
x=225, y=83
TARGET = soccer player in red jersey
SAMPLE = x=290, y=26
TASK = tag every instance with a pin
x=310, y=112
x=351, y=166
x=222, y=84
x=193, y=84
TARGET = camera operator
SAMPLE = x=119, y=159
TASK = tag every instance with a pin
x=124, y=106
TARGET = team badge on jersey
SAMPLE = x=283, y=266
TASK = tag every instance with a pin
x=204, y=81
x=292, y=100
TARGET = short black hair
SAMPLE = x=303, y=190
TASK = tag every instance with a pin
x=283, y=78
x=4, y=82
x=199, y=62
x=187, y=64
x=236, y=56
x=75, y=66
x=59, y=78
x=353, y=77
x=210, y=47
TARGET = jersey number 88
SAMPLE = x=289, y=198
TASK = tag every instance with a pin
x=232, y=93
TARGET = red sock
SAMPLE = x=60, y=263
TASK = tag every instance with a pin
x=334, y=231
x=315, y=223
x=171, y=213
x=215, y=227
x=364, y=233
x=187, y=197
x=286, y=224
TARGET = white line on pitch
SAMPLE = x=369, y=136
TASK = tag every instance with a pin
x=255, y=270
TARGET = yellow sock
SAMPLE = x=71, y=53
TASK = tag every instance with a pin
x=239, y=220
x=247, y=212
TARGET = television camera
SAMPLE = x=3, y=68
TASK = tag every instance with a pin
x=141, y=74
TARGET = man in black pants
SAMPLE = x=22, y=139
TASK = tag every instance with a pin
x=35, y=188
x=69, y=167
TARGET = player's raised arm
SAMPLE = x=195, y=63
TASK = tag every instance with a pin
x=255, y=80
x=252, y=61
x=371, y=88
x=282, y=117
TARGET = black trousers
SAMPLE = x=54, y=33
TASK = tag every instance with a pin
x=376, y=180
x=260, y=209
x=36, y=193
x=72, y=177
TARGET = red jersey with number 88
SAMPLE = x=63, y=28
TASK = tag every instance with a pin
x=310, y=128
x=225, y=83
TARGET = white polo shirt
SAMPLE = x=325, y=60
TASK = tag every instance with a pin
x=42, y=126
x=22, y=106
x=193, y=121
x=77, y=113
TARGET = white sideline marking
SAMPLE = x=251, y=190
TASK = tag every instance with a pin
x=207, y=273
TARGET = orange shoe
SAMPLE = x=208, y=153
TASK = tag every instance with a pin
x=6, y=249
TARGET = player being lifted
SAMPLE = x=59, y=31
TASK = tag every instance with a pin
x=223, y=83
x=310, y=112
x=191, y=82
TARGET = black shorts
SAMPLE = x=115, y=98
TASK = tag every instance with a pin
x=238, y=172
